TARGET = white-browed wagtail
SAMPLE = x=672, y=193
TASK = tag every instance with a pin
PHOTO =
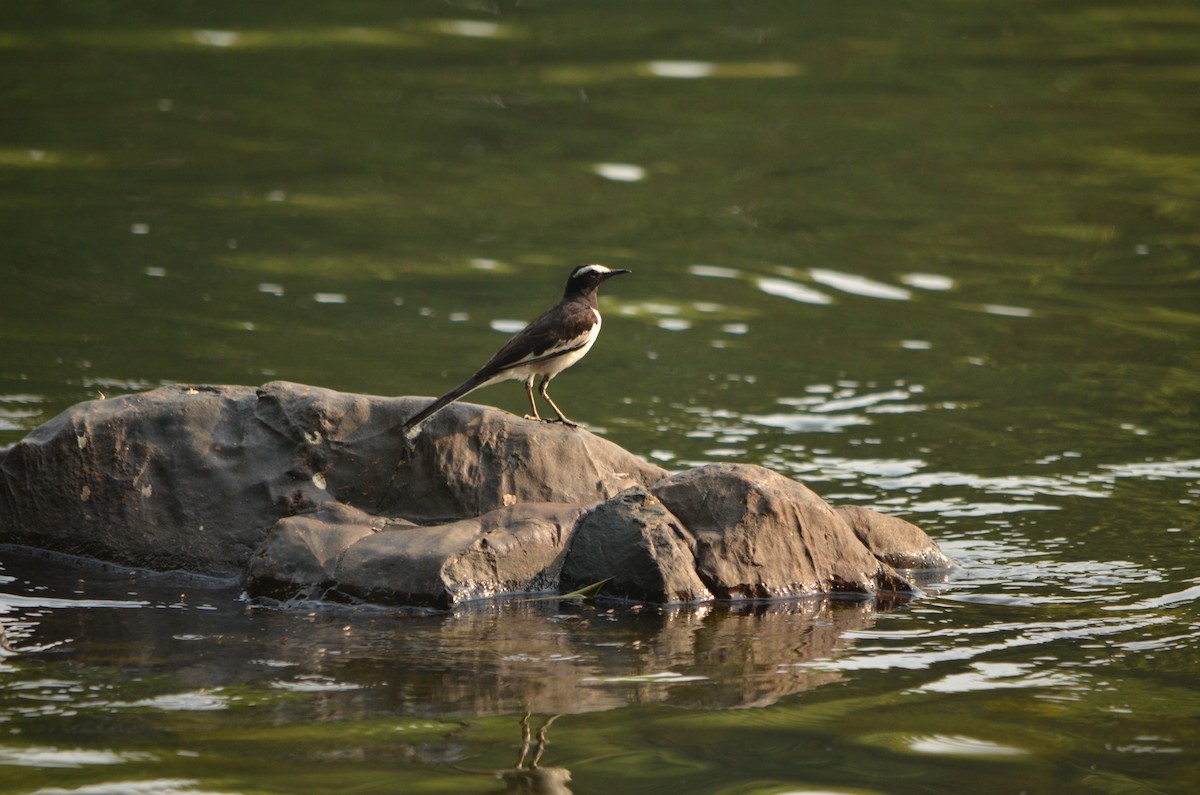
x=557, y=339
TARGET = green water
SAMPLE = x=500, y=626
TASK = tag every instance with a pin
x=938, y=259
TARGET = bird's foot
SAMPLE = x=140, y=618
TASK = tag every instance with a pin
x=564, y=421
x=534, y=417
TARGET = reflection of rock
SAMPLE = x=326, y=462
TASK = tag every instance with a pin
x=535, y=781
x=527, y=776
x=299, y=489
x=486, y=658
x=762, y=653
x=561, y=658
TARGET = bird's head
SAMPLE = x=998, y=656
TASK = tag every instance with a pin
x=588, y=278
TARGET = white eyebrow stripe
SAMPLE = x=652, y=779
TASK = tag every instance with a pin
x=592, y=269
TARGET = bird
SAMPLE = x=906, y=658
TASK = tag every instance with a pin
x=557, y=339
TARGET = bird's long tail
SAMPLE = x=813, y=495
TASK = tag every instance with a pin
x=470, y=385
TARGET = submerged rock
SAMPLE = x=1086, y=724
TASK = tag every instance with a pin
x=306, y=490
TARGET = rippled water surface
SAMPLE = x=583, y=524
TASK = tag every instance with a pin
x=937, y=260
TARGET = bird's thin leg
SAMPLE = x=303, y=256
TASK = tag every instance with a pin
x=561, y=417
x=532, y=404
x=541, y=743
x=526, y=735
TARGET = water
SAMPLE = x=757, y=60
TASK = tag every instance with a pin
x=937, y=260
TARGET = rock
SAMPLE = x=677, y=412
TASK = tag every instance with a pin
x=633, y=539
x=192, y=477
x=469, y=460
x=763, y=536
x=301, y=490
x=894, y=541
x=509, y=550
x=181, y=477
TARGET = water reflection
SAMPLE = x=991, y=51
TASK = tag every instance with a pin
x=216, y=38
x=794, y=291
x=1004, y=310
x=714, y=272
x=13, y=414
x=681, y=69
x=859, y=285
x=785, y=284
x=490, y=658
x=44, y=757
x=527, y=776
x=620, y=172
x=166, y=786
x=495, y=658
x=928, y=281
x=959, y=745
x=694, y=70
x=470, y=28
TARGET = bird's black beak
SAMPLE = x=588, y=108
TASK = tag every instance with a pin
x=615, y=272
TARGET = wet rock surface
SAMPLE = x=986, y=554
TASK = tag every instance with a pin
x=303, y=490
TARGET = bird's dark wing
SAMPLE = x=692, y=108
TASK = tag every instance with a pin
x=558, y=330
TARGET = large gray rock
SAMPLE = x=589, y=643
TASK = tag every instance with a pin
x=763, y=536
x=307, y=491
